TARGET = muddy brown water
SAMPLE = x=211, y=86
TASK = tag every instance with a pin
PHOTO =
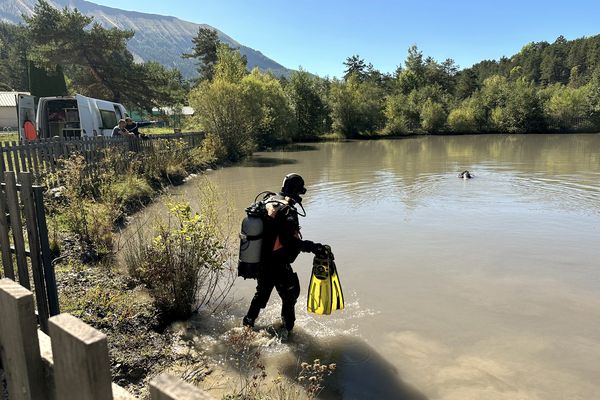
x=486, y=288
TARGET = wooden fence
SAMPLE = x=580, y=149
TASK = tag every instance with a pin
x=70, y=364
x=40, y=156
x=22, y=205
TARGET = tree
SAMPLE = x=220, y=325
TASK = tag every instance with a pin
x=205, y=50
x=45, y=83
x=95, y=59
x=567, y=107
x=241, y=111
x=553, y=67
x=519, y=111
x=308, y=104
x=222, y=112
x=13, y=60
x=466, y=84
x=355, y=66
x=271, y=117
x=231, y=64
x=463, y=120
x=414, y=61
x=356, y=107
x=433, y=116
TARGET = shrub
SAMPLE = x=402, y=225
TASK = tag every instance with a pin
x=433, y=116
x=165, y=162
x=131, y=189
x=183, y=265
x=89, y=220
x=462, y=120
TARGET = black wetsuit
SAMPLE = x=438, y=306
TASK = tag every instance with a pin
x=281, y=246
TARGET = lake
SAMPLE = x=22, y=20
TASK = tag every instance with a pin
x=487, y=288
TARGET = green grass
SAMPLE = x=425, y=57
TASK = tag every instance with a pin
x=155, y=130
x=8, y=136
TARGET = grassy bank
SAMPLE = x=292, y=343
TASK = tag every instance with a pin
x=9, y=136
x=83, y=216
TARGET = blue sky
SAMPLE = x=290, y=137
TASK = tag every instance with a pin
x=319, y=35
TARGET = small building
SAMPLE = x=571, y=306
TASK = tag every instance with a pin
x=8, y=110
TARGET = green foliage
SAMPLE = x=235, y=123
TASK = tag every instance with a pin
x=309, y=105
x=401, y=116
x=241, y=111
x=183, y=266
x=231, y=65
x=567, y=107
x=166, y=162
x=543, y=63
x=433, y=116
x=96, y=59
x=271, y=116
x=463, y=120
x=13, y=57
x=45, y=83
x=91, y=222
x=512, y=107
x=356, y=107
x=127, y=191
x=222, y=112
x=205, y=50
x=355, y=66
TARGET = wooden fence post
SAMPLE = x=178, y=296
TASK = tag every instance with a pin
x=81, y=363
x=17, y=228
x=167, y=387
x=19, y=345
x=7, y=261
x=49, y=275
x=35, y=254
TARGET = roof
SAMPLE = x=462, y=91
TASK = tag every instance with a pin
x=8, y=99
x=185, y=110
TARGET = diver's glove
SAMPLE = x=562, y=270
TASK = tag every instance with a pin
x=316, y=248
x=312, y=247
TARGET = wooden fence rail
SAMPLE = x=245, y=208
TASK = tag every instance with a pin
x=71, y=364
x=22, y=205
x=40, y=157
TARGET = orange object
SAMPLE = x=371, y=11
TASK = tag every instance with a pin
x=30, y=132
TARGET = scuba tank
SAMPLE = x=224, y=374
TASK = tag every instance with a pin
x=251, y=238
x=252, y=232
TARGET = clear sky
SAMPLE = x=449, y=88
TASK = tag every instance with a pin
x=319, y=34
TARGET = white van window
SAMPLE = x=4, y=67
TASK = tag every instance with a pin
x=109, y=119
x=118, y=112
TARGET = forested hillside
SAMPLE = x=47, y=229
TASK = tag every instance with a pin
x=567, y=62
x=158, y=38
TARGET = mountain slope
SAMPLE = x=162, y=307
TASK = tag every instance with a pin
x=157, y=37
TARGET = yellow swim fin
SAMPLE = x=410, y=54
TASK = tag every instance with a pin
x=324, y=291
x=337, y=295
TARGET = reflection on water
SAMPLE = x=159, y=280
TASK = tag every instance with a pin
x=480, y=289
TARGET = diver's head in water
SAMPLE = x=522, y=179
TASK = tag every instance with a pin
x=293, y=187
x=465, y=175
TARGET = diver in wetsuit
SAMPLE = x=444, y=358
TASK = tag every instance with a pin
x=281, y=245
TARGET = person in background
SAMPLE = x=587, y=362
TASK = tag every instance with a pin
x=120, y=129
x=131, y=126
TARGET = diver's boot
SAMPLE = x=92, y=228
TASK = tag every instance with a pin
x=249, y=322
x=287, y=326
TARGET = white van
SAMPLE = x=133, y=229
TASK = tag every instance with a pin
x=68, y=116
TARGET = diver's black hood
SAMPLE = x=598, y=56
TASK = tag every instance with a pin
x=293, y=186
